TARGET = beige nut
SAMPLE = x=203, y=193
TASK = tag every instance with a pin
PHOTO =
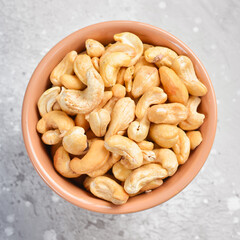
x=169, y=113
x=183, y=67
x=146, y=77
x=173, y=86
x=120, y=76
x=168, y=160
x=140, y=63
x=55, y=120
x=61, y=162
x=194, y=119
x=75, y=140
x=75, y=101
x=47, y=100
x=146, y=47
x=71, y=82
x=145, y=145
x=128, y=76
x=64, y=67
x=142, y=176
x=165, y=135
x=123, y=114
x=110, y=65
x=81, y=65
x=119, y=91
x=120, y=172
x=107, y=189
x=182, y=147
x=80, y=121
x=161, y=56
x=96, y=157
x=132, y=154
x=148, y=156
x=94, y=48
x=52, y=137
x=96, y=63
x=195, y=138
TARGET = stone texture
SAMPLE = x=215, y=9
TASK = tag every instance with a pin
x=209, y=208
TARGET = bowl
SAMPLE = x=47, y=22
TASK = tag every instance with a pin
x=39, y=82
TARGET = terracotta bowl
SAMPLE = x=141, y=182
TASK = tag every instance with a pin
x=39, y=82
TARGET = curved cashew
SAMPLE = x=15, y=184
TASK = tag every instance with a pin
x=95, y=63
x=52, y=137
x=74, y=101
x=123, y=114
x=168, y=160
x=80, y=121
x=128, y=75
x=145, y=145
x=132, y=154
x=183, y=67
x=146, y=77
x=173, y=86
x=182, y=147
x=195, y=138
x=55, y=120
x=169, y=113
x=96, y=156
x=164, y=135
x=64, y=67
x=140, y=63
x=142, y=176
x=47, y=100
x=71, y=82
x=81, y=65
x=120, y=172
x=161, y=56
x=110, y=65
x=107, y=189
x=75, y=141
x=194, y=119
x=61, y=162
x=148, y=156
x=94, y=48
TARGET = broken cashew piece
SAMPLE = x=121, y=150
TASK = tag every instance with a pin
x=195, y=138
x=94, y=48
x=132, y=154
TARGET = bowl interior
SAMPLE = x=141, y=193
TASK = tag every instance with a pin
x=39, y=82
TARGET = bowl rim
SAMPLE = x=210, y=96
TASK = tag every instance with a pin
x=60, y=191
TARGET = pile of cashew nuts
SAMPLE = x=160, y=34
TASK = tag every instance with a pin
x=124, y=116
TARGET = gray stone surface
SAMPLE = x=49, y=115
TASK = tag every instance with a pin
x=209, y=208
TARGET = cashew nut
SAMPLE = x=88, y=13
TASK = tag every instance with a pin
x=132, y=154
x=47, y=100
x=161, y=56
x=146, y=47
x=194, y=119
x=94, y=48
x=74, y=101
x=120, y=76
x=61, y=163
x=140, y=63
x=128, y=75
x=71, y=82
x=142, y=176
x=119, y=91
x=164, y=135
x=148, y=156
x=182, y=147
x=195, y=138
x=95, y=63
x=169, y=113
x=52, y=137
x=173, y=86
x=64, y=67
x=120, y=172
x=183, y=67
x=107, y=189
x=168, y=160
x=145, y=145
x=80, y=121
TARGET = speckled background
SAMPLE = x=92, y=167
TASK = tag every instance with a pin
x=209, y=208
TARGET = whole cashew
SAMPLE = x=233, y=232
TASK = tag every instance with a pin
x=120, y=172
x=165, y=135
x=107, y=189
x=61, y=162
x=75, y=141
x=146, y=145
x=183, y=67
x=195, y=138
x=47, y=100
x=55, y=120
x=161, y=56
x=74, y=101
x=173, y=86
x=110, y=65
x=169, y=113
x=132, y=154
x=128, y=75
x=52, y=137
x=142, y=176
x=194, y=119
x=168, y=160
x=71, y=82
x=80, y=121
x=64, y=67
x=146, y=77
x=122, y=115
x=94, y=48
x=96, y=63
x=182, y=147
